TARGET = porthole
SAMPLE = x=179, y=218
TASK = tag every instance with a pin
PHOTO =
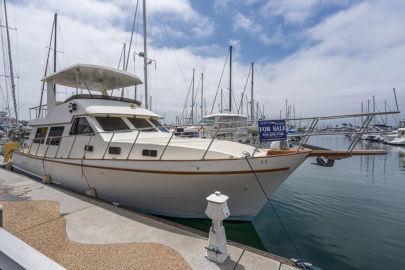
x=149, y=153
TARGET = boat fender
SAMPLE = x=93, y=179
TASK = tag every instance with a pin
x=91, y=192
x=46, y=179
x=279, y=145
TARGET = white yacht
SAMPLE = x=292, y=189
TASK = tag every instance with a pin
x=399, y=139
x=228, y=126
x=112, y=148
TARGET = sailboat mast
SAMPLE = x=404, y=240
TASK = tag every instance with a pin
x=221, y=101
x=252, y=100
x=202, y=95
x=145, y=57
x=55, y=48
x=124, y=64
x=373, y=109
x=10, y=61
x=192, y=99
x=46, y=71
x=230, y=78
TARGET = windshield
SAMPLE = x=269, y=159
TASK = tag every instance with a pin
x=142, y=124
x=158, y=125
x=111, y=123
x=207, y=121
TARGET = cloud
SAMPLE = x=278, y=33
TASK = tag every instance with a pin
x=243, y=22
x=348, y=57
x=356, y=53
x=98, y=13
x=174, y=10
x=298, y=11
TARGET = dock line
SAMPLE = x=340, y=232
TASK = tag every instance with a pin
x=278, y=217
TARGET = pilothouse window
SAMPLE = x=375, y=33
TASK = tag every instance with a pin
x=158, y=125
x=141, y=124
x=80, y=126
x=111, y=123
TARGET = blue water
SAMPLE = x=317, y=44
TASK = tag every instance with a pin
x=351, y=216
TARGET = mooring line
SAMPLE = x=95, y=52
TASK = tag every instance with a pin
x=278, y=217
x=240, y=257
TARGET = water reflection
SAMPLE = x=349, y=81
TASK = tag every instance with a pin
x=342, y=217
x=401, y=155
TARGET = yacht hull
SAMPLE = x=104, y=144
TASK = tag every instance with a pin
x=176, y=188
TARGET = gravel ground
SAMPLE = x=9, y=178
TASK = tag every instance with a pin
x=39, y=224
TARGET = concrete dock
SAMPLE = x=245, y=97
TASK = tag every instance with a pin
x=79, y=232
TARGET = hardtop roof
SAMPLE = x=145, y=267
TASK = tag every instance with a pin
x=93, y=77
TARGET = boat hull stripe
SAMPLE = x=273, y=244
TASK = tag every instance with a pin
x=160, y=172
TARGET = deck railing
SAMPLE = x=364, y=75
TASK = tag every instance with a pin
x=44, y=144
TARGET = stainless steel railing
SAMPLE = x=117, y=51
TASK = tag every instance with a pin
x=28, y=146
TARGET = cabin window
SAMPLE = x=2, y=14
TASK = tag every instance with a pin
x=142, y=124
x=149, y=153
x=111, y=123
x=55, y=135
x=158, y=125
x=40, y=135
x=80, y=126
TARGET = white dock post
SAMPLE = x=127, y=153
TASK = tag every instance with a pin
x=217, y=210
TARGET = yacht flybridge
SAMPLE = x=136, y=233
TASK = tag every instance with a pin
x=112, y=148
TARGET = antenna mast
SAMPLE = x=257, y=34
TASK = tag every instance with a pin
x=10, y=61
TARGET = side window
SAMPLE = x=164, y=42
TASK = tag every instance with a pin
x=55, y=135
x=80, y=126
x=40, y=135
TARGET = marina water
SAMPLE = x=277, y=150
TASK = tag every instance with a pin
x=351, y=216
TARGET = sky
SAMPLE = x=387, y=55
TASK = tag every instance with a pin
x=323, y=56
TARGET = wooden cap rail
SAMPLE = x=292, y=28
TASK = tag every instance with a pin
x=346, y=153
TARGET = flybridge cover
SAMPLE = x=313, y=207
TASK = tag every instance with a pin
x=93, y=77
